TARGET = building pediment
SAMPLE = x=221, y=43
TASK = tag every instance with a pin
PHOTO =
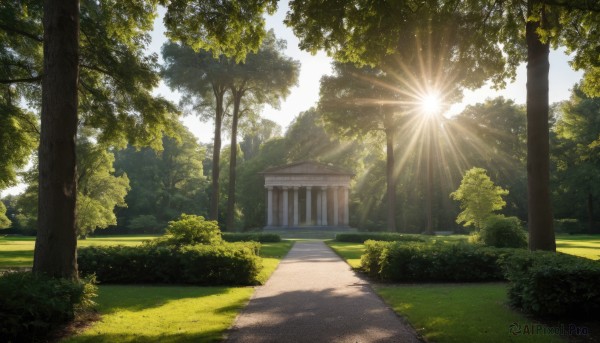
x=307, y=168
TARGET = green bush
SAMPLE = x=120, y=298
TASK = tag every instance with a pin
x=32, y=306
x=570, y=226
x=220, y=264
x=437, y=262
x=361, y=237
x=554, y=284
x=190, y=230
x=503, y=232
x=251, y=236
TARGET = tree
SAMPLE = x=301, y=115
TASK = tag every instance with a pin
x=203, y=80
x=4, y=221
x=478, y=197
x=577, y=156
x=164, y=183
x=355, y=102
x=99, y=190
x=264, y=77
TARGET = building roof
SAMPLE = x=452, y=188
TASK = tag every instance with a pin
x=306, y=167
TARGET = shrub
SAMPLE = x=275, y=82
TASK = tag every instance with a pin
x=439, y=262
x=220, y=264
x=361, y=237
x=570, y=226
x=251, y=236
x=554, y=284
x=190, y=230
x=32, y=306
x=503, y=232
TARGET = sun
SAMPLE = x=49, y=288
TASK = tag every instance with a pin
x=431, y=104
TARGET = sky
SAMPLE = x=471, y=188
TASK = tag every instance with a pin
x=306, y=94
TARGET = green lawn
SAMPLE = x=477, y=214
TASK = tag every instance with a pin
x=580, y=245
x=457, y=313
x=164, y=313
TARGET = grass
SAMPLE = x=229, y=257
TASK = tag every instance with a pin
x=350, y=252
x=580, y=245
x=17, y=251
x=164, y=314
x=456, y=313
x=272, y=253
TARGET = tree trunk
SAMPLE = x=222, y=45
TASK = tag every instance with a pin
x=430, y=157
x=391, y=179
x=233, y=162
x=590, y=211
x=56, y=242
x=214, y=195
x=541, y=231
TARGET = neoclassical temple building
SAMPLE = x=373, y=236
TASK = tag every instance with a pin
x=307, y=194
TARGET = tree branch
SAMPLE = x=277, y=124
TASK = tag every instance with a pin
x=584, y=5
x=21, y=32
x=27, y=79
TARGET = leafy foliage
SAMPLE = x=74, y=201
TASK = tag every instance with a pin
x=479, y=198
x=439, y=262
x=550, y=284
x=4, y=221
x=567, y=225
x=99, y=190
x=220, y=264
x=503, y=232
x=251, y=236
x=190, y=230
x=33, y=305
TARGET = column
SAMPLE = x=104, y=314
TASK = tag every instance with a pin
x=270, y=206
x=335, y=206
x=346, y=212
x=324, y=204
x=295, y=220
x=319, y=207
x=308, y=206
x=285, y=206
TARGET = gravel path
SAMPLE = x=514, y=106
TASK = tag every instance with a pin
x=314, y=296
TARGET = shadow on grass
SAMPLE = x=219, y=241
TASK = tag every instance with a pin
x=16, y=258
x=208, y=336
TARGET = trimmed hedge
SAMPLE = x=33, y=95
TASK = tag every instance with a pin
x=362, y=237
x=437, y=262
x=251, y=237
x=554, y=284
x=568, y=225
x=31, y=306
x=220, y=264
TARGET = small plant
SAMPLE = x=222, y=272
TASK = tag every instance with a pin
x=503, y=232
x=191, y=230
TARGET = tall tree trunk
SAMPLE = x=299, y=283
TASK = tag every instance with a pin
x=430, y=157
x=391, y=179
x=214, y=195
x=541, y=231
x=233, y=162
x=590, y=211
x=56, y=242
